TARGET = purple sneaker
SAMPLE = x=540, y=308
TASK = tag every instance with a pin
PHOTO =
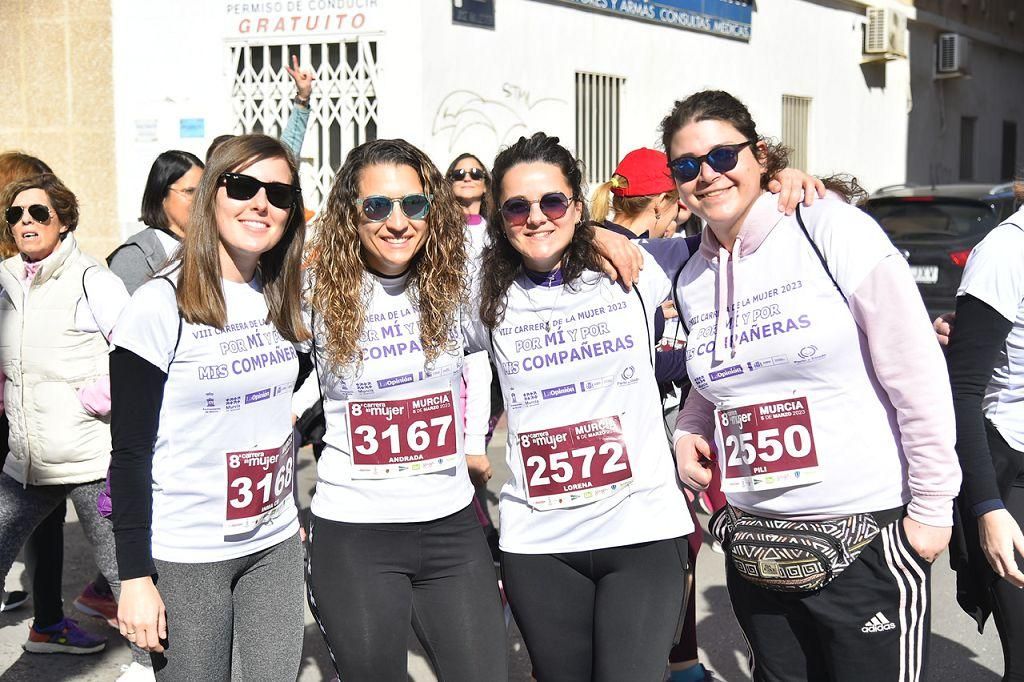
x=63, y=638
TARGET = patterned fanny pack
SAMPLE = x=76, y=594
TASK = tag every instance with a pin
x=794, y=556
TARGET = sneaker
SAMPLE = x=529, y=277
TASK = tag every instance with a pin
x=136, y=672
x=717, y=548
x=703, y=503
x=97, y=605
x=13, y=600
x=64, y=638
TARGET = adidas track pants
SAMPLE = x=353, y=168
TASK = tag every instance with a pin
x=871, y=623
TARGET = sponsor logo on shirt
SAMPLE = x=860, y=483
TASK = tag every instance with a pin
x=807, y=354
x=283, y=388
x=394, y=381
x=597, y=383
x=766, y=362
x=558, y=391
x=234, y=403
x=701, y=381
x=627, y=377
x=257, y=396
x=210, y=405
x=720, y=374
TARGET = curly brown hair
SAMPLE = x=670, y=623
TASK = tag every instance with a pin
x=501, y=263
x=341, y=288
x=718, y=105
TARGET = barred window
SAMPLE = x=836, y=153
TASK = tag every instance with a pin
x=597, y=123
x=796, y=115
x=343, y=108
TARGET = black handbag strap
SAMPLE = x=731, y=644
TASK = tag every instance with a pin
x=817, y=252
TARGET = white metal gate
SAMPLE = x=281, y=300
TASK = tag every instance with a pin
x=343, y=108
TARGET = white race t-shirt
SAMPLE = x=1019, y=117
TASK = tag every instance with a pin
x=591, y=465
x=394, y=443
x=995, y=274
x=803, y=428
x=223, y=462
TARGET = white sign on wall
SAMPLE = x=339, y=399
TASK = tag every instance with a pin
x=300, y=18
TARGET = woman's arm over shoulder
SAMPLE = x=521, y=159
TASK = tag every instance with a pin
x=911, y=369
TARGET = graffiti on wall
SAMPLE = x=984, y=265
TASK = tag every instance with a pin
x=471, y=120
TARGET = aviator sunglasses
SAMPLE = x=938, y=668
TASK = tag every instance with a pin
x=39, y=213
x=377, y=208
x=461, y=173
x=516, y=211
x=244, y=187
x=722, y=159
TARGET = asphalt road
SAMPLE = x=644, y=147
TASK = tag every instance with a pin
x=958, y=651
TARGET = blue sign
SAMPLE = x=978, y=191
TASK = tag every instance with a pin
x=192, y=127
x=727, y=18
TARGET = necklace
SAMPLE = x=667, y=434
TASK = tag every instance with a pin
x=554, y=306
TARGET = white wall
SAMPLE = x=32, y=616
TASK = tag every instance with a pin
x=453, y=88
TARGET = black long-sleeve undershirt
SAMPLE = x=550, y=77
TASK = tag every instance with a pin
x=979, y=333
x=136, y=394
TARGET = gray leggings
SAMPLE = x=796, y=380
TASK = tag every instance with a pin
x=22, y=508
x=254, y=604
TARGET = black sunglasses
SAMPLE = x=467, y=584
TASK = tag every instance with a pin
x=39, y=213
x=516, y=211
x=378, y=208
x=244, y=187
x=460, y=174
x=722, y=159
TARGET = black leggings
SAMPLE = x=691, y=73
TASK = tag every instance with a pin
x=1009, y=600
x=605, y=615
x=367, y=581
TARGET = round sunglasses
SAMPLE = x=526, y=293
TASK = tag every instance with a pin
x=516, y=211
x=243, y=187
x=722, y=159
x=461, y=173
x=39, y=213
x=378, y=208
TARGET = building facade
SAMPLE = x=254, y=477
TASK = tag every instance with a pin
x=967, y=71
x=466, y=75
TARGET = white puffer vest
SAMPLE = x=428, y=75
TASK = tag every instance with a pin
x=53, y=440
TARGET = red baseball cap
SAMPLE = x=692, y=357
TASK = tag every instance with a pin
x=642, y=172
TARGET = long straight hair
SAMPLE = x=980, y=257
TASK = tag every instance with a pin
x=200, y=288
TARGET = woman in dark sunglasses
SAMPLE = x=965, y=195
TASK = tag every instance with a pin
x=172, y=182
x=57, y=309
x=393, y=534
x=471, y=186
x=594, y=521
x=203, y=467
x=816, y=373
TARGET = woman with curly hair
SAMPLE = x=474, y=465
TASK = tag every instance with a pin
x=393, y=535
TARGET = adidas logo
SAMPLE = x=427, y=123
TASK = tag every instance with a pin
x=878, y=623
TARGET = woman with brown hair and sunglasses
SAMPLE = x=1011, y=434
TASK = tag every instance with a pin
x=203, y=464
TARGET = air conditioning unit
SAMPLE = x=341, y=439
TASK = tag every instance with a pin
x=951, y=54
x=885, y=36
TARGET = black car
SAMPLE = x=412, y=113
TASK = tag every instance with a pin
x=935, y=228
